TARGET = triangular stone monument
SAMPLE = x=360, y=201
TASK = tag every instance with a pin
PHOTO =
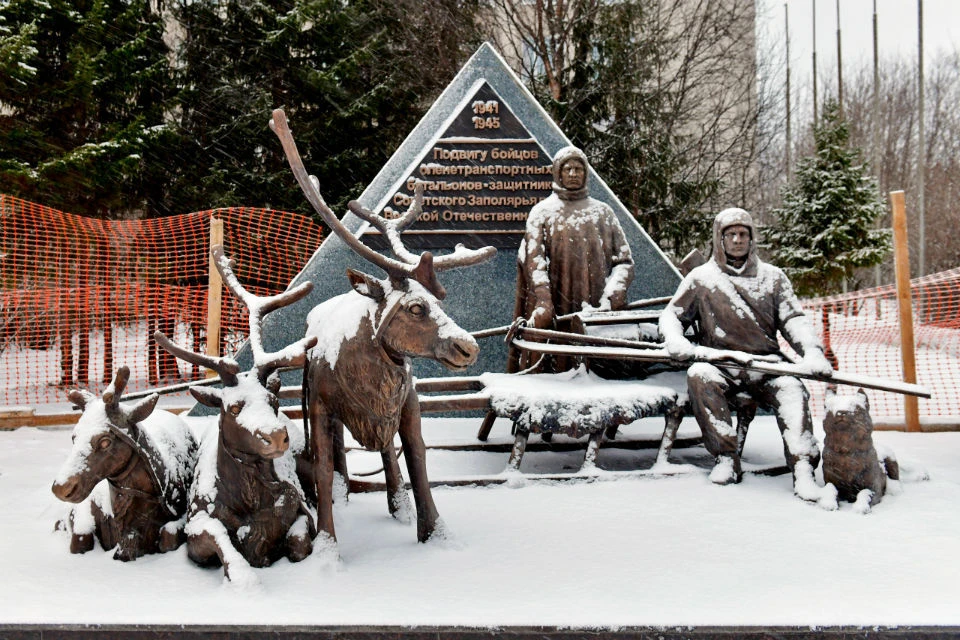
x=485, y=149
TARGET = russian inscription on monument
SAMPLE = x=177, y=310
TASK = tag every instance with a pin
x=482, y=176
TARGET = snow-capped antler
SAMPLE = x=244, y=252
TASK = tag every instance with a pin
x=391, y=229
x=421, y=268
x=226, y=367
x=293, y=355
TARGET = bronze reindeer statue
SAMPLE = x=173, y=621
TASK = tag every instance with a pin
x=247, y=504
x=358, y=374
x=147, y=458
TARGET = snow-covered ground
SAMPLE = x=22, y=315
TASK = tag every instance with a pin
x=642, y=550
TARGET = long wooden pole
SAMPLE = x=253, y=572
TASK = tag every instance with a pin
x=214, y=295
x=901, y=259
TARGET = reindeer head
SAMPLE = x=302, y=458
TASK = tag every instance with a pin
x=250, y=424
x=103, y=440
x=409, y=320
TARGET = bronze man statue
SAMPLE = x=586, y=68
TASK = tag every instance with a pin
x=735, y=302
x=573, y=255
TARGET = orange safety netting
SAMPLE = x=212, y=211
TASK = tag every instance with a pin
x=80, y=296
x=862, y=329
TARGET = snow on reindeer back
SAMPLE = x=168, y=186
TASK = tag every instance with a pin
x=577, y=401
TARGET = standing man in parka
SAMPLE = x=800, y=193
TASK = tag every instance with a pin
x=574, y=255
x=736, y=302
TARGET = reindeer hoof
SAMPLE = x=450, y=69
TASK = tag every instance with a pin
x=126, y=555
x=299, y=548
x=170, y=540
x=81, y=542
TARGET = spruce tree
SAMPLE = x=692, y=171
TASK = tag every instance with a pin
x=826, y=226
x=354, y=79
x=84, y=97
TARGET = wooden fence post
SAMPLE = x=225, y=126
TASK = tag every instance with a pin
x=901, y=258
x=214, y=295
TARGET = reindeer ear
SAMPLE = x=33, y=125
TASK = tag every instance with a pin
x=80, y=398
x=866, y=398
x=425, y=274
x=142, y=409
x=831, y=392
x=273, y=383
x=366, y=285
x=208, y=397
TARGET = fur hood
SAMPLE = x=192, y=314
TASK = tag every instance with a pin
x=728, y=218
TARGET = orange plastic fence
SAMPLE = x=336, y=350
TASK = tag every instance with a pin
x=79, y=296
x=862, y=330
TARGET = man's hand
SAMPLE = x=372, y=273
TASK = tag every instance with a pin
x=679, y=349
x=541, y=318
x=816, y=363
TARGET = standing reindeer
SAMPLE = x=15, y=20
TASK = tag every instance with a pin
x=247, y=505
x=147, y=459
x=358, y=374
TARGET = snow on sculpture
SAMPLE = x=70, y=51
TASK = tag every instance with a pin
x=358, y=375
x=574, y=255
x=146, y=459
x=850, y=460
x=247, y=503
x=737, y=304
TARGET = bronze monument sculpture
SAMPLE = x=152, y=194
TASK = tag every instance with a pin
x=736, y=304
x=247, y=503
x=358, y=375
x=147, y=459
x=850, y=461
x=574, y=255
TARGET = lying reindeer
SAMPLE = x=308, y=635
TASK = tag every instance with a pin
x=358, y=375
x=247, y=505
x=147, y=457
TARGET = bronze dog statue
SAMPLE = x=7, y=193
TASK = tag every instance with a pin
x=850, y=460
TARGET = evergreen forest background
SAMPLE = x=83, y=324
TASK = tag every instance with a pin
x=145, y=108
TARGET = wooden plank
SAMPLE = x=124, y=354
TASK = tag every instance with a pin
x=214, y=295
x=466, y=402
x=8, y=423
x=901, y=259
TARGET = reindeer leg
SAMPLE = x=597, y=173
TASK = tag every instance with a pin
x=322, y=442
x=339, y=461
x=202, y=548
x=106, y=527
x=397, y=499
x=82, y=542
x=415, y=453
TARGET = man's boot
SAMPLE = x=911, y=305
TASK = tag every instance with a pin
x=804, y=484
x=726, y=470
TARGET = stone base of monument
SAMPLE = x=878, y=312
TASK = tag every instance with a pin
x=372, y=632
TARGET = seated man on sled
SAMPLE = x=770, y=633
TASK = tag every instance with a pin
x=737, y=305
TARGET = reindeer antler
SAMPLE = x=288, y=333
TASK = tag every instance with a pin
x=225, y=366
x=391, y=230
x=113, y=392
x=293, y=355
x=421, y=268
